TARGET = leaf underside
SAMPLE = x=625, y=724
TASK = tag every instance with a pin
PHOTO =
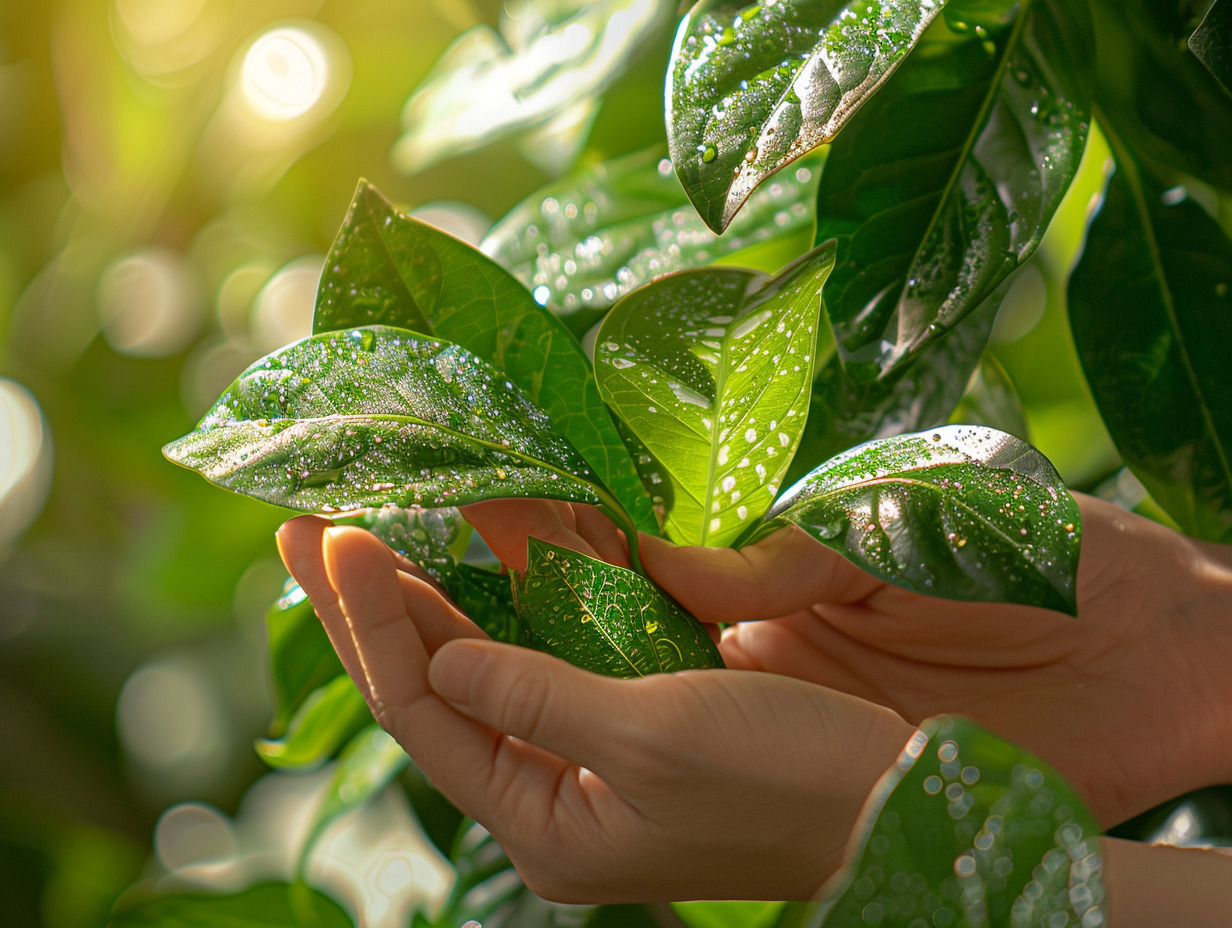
x=1211, y=42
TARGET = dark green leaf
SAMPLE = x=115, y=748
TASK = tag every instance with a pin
x=991, y=400
x=387, y=268
x=301, y=659
x=365, y=767
x=427, y=537
x=327, y=718
x=344, y=421
x=710, y=370
x=1152, y=322
x=269, y=905
x=1212, y=42
x=604, y=618
x=946, y=180
x=753, y=87
x=487, y=599
x=961, y=512
x=582, y=243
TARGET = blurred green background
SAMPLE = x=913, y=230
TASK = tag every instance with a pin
x=171, y=175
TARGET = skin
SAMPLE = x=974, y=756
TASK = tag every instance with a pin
x=745, y=783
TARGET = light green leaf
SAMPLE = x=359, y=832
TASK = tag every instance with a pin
x=752, y=87
x=604, y=618
x=710, y=370
x=344, y=421
x=728, y=914
x=301, y=659
x=387, y=268
x=327, y=718
x=961, y=512
x=269, y=905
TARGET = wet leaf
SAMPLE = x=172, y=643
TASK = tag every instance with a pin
x=946, y=180
x=427, y=537
x=269, y=905
x=1152, y=321
x=342, y=421
x=582, y=243
x=327, y=718
x=1211, y=42
x=535, y=70
x=301, y=659
x=486, y=598
x=390, y=269
x=753, y=87
x=961, y=512
x=605, y=619
x=710, y=370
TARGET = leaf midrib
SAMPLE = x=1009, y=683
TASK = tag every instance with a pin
x=594, y=619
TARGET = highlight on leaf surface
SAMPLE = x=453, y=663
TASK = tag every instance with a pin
x=960, y=512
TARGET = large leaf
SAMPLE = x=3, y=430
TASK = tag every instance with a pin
x=269, y=905
x=328, y=717
x=962, y=512
x=343, y=421
x=1152, y=322
x=604, y=618
x=753, y=87
x=301, y=659
x=946, y=180
x=1212, y=42
x=710, y=370
x=583, y=242
x=387, y=268
x=427, y=537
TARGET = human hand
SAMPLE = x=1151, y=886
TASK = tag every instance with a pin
x=703, y=784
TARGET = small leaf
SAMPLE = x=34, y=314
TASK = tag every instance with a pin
x=327, y=718
x=725, y=914
x=344, y=421
x=269, y=905
x=710, y=370
x=961, y=512
x=1212, y=42
x=605, y=619
x=487, y=599
x=423, y=536
x=301, y=659
x=387, y=268
x=1152, y=320
x=582, y=243
x=752, y=88
x=946, y=181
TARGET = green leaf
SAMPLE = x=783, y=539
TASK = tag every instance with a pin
x=583, y=242
x=710, y=370
x=753, y=87
x=387, y=268
x=344, y=421
x=327, y=718
x=365, y=767
x=301, y=659
x=991, y=400
x=536, y=70
x=487, y=599
x=961, y=512
x=604, y=618
x=728, y=914
x=1152, y=321
x=1212, y=42
x=946, y=180
x=427, y=537
x=269, y=905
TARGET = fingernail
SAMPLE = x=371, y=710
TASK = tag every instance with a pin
x=453, y=668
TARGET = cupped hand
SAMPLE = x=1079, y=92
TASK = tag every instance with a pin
x=704, y=784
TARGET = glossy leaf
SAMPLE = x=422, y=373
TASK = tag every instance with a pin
x=1152, y=321
x=365, y=767
x=269, y=905
x=991, y=400
x=1211, y=42
x=710, y=370
x=487, y=599
x=581, y=243
x=946, y=180
x=301, y=659
x=351, y=420
x=488, y=84
x=604, y=618
x=326, y=719
x=390, y=269
x=753, y=87
x=961, y=512
x=427, y=537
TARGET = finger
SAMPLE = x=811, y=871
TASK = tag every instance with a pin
x=782, y=574
x=300, y=545
x=597, y=530
x=436, y=624
x=505, y=525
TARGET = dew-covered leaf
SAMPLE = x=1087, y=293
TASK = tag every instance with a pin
x=1212, y=42
x=961, y=512
x=752, y=87
x=390, y=269
x=1151, y=314
x=343, y=421
x=946, y=180
x=581, y=243
x=301, y=659
x=710, y=369
x=537, y=69
x=268, y=905
x=427, y=537
x=329, y=716
x=604, y=618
